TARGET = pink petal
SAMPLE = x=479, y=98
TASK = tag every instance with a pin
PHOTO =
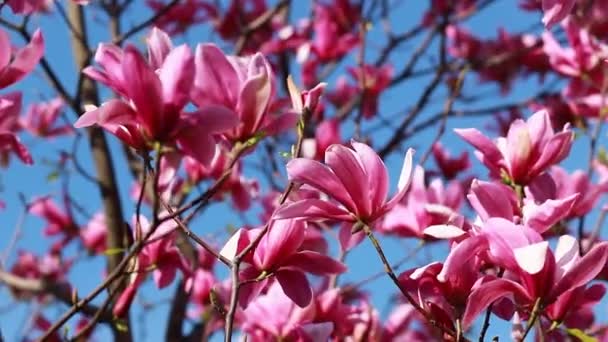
x=348, y=240
x=485, y=295
x=346, y=165
x=543, y=217
x=376, y=173
x=176, y=76
x=5, y=49
x=316, y=263
x=295, y=286
x=444, y=231
x=143, y=87
x=237, y=242
x=404, y=179
x=164, y=275
x=320, y=177
x=566, y=253
x=254, y=96
x=214, y=119
x=556, y=150
x=10, y=141
x=24, y=61
x=585, y=270
x=312, y=209
x=481, y=143
x=492, y=200
x=195, y=142
x=279, y=243
x=215, y=80
x=532, y=258
x=460, y=256
x=159, y=46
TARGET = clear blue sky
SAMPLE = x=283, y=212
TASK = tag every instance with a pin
x=32, y=181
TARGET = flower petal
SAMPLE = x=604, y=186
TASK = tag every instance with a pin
x=295, y=286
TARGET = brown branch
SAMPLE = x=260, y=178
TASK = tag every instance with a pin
x=107, y=184
x=59, y=291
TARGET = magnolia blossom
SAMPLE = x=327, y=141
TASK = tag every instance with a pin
x=155, y=93
x=159, y=256
x=582, y=60
x=282, y=320
x=423, y=206
x=10, y=107
x=528, y=150
x=241, y=86
x=449, y=166
x=281, y=255
x=15, y=66
x=59, y=222
x=40, y=119
x=356, y=178
x=543, y=275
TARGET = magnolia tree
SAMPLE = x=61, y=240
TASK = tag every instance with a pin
x=197, y=169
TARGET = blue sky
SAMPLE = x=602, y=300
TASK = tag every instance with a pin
x=32, y=181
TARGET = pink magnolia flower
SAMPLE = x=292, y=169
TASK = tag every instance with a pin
x=582, y=60
x=424, y=206
x=282, y=319
x=354, y=177
x=49, y=267
x=491, y=199
x=527, y=151
x=27, y=7
x=94, y=234
x=155, y=94
x=40, y=119
x=243, y=86
x=447, y=299
x=559, y=184
x=159, y=256
x=334, y=28
x=305, y=100
x=183, y=15
x=59, y=222
x=556, y=11
x=279, y=255
x=494, y=242
x=450, y=166
x=10, y=107
x=15, y=65
x=551, y=277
